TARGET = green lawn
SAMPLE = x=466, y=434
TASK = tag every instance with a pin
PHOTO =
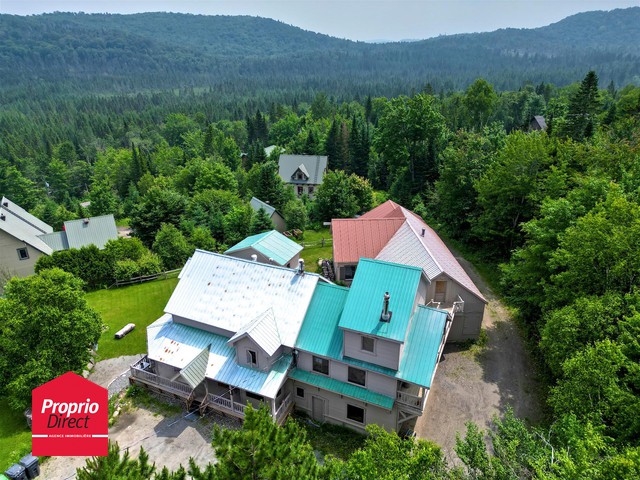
x=312, y=254
x=15, y=436
x=140, y=304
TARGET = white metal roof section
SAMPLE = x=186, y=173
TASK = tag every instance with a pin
x=22, y=214
x=56, y=240
x=178, y=345
x=228, y=292
x=263, y=330
x=441, y=254
x=405, y=248
x=22, y=231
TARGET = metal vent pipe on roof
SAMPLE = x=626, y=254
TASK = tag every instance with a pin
x=254, y=258
x=301, y=267
x=386, y=314
x=423, y=232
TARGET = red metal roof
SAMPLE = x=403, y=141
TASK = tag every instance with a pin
x=361, y=237
x=388, y=209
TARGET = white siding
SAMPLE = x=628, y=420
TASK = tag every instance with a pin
x=335, y=408
x=386, y=353
x=376, y=382
x=264, y=361
x=9, y=260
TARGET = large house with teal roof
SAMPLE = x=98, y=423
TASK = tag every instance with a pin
x=237, y=331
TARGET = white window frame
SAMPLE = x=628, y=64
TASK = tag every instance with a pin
x=26, y=252
x=364, y=414
x=373, y=348
x=349, y=369
x=313, y=366
x=251, y=354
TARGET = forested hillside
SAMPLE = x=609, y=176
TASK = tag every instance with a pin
x=79, y=53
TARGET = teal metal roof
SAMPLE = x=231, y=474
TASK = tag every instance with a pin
x=346, y=389
x=420, y=355
x=364, y=303
x=320, y=333
x=178, y=345
x=321, y=336
x=270, y=244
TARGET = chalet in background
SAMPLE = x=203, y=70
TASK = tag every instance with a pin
x=303, y=172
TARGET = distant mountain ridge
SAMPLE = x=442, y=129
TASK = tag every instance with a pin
x=120, y=53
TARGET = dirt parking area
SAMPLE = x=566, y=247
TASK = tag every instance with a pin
x=474, y=384
x=169, y=441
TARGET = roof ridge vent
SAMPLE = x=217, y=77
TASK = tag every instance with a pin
x=386, y=314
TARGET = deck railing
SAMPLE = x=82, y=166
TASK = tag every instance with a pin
x=160, y=382
x=284, y=406
x=410, y=400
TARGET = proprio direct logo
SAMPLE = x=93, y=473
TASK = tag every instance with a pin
x=70, y=418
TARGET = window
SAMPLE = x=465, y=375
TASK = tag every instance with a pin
x=300, y=191
x=252, y=357
x=23, y=254
x=357, y=376
x=355, y=413
x=368, y=344
x=310, y=189
x=254, y=396
x=321, y=365
x=299, y=392
x=349, y=272
x=441, y=287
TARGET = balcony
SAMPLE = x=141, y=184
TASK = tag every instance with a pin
x=412, y=401
x=143, y=372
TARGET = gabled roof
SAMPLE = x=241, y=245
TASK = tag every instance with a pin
x=257, y=204
x=539, y=119
x=195, y=371
x=388, y=209
x=392, y=233
x=263, y=330
x=17, y=211
x=178, y=345
x=303, y=169
x=313, y=166
x=361, y=237
x=91, y=231
x=22, y=231
x=56, y=240
x=321, y=336
x=227, y=292
x=364, y=303
x=271, y=244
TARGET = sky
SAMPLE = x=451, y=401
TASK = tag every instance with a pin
x=367, y=20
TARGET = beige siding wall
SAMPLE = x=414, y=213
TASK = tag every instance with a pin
x=375, y=382
x=335, y=408
x=9, y=259
x=386, y=353
x=245, y=344
x=278, y=222
x=466, y=325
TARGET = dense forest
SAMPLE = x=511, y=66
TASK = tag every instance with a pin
x=557, y=212
x=80, y=53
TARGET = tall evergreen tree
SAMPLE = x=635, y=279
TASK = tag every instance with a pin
x=583, y=109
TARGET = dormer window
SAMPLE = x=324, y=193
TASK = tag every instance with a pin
x=300, y=173
x=368, y=344
x=252, y=358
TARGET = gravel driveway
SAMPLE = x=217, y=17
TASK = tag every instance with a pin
x=474, y=387
x=169, y=441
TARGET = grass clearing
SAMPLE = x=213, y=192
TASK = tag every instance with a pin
x=15, y=436
x=312, y=254
x=140, y=304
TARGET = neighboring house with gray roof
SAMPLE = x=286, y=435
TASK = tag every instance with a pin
x=303, y=172
x=538, y=123
x=275, y=216
x=25, y=238
x=237, y=332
